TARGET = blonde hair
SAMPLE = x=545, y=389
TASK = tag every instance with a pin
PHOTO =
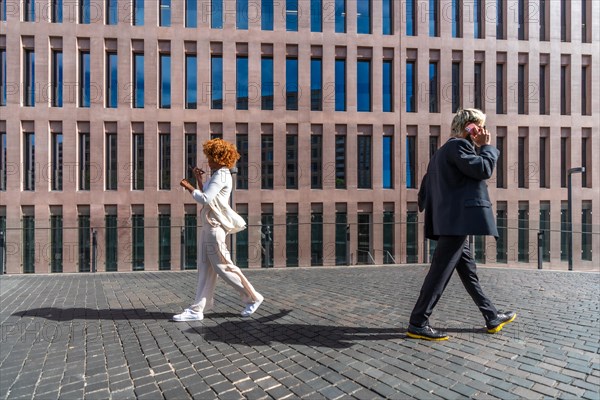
x=221, y=151
x=464, y=118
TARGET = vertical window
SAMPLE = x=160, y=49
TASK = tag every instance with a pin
x=545, y=229
x=56, y=243
x=387, y=17
x=190, y=240
x=542, y=13
x=111, y=161
x=500, y=19
x=388, y=85
x=84, y=79
x=564, y=154
x=57, y=162
x=388, y=237
x=521, y=87
x=340, y=84
x=316, y=15
x=112, y=82
x=57, y=78
x=291, y=166
x=411, y=162
x=137, y=239
x=2, y=77
x=241, y=14
x=164, y=161
x=241, y=245
x=340, y=16
x=266, y=15
x=291, y=15
x=266, y=87
x=434, y=97
x=500, y=89
x=585, y=142
x=363, y=16
x=316, y=238
x=477, y=19
x=291, y=83
x=242, y=164
x=138, y=12
x=585, y=26
x=138, y=80
x=388, y=162
x=363, y=242
x=28, y=224
x=564, y=83
x=316, y=161
x=363, y=95
x=433, y=145
x=364, y=161
x=478, y=86
x=242, y=82
x=564, y=18
x=29, y=159
x=112, y=12
x=291, y=239
x=84, y=236
x=434, y=18
x=480, y=249
x=523, y=239
x=111, y=240
x=411, y=18
x=521, y=14
x=456, y=18
x=164, y=16
x=28, y=11
x=266, y=220
x=543, y=162
x=165, y=81
x=586, y=230
x=584, y=90
x=456, y=84
x=84, y=161
x=412, y=247
x=164, y=242
x=138, y=161
x=341, y=239
x=500, y=163
x=190, y=155
x=191, y=13
x=502, y=241
x=340, y=161
x=29, y=75
x=316, y=84
x=3, y=162
x=84, y=11
x=191, y=81
x=267, y=161
x=216, y=14
x=3, y=10
x=542, y=84
x=216, y=63
x=411, y=105
x=564, y=231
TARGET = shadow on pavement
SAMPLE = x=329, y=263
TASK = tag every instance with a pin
x=69, y=314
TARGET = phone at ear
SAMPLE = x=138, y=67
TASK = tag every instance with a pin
x=471, y=129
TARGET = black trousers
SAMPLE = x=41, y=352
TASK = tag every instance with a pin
x=452, y=252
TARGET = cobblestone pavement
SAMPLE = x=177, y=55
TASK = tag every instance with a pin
x=321, y=333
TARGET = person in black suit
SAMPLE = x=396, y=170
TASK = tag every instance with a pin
x=454, y=195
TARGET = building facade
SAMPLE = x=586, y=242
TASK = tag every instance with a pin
x=335, y=105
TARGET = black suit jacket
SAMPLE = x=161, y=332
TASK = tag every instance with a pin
x=454, y=194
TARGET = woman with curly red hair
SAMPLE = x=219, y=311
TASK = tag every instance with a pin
x=218, y=220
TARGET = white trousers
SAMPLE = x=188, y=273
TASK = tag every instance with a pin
x=214, y=260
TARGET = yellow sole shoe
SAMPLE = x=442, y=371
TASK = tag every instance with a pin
x=499, y=327
x=415, y=336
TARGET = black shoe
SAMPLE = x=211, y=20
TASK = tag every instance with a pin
x=426, y=332
x=503, y=318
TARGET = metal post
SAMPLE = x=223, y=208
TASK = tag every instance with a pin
x=570, y=213
x=94, y=251
x=2, y=254
x=348, y=260
x=540, y=243
x=182, y=247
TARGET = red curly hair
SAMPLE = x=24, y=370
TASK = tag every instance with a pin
x=221, y=151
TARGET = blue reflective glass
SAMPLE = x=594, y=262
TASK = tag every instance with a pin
x=85, y=12
x=266, y=88
x=241, y=15
x=433, y=18
x=242, y=83
x=433, y=87
x=85, y=80
x=113, y=82
x=387, y=16
x=3, y=10
x=138, y=82
x=30, y=10
x=113, y=12
x=455, y=18
x=191, y=81
x=216, y=12
x=58, y=79
x=2, y=77
x=410, y=18
x=216, y=63
x=387, y=162
x=165, y=13
x=340, y=85
x=363, y=16
x=266, y=15
x=410, y=161
x=316, y=84
x=477, y=19
x=57, y=11
x=363, y=95
x=410, y=87
x=387, y=85
x=316, y=11
x=191, y=13
x=29, y=78
x=165, y=81
x=291, y=15
x=138, y=10
x=340, y=16
x=291, y=83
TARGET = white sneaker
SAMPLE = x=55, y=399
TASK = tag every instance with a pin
x=188, y=315
x=252, y=307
